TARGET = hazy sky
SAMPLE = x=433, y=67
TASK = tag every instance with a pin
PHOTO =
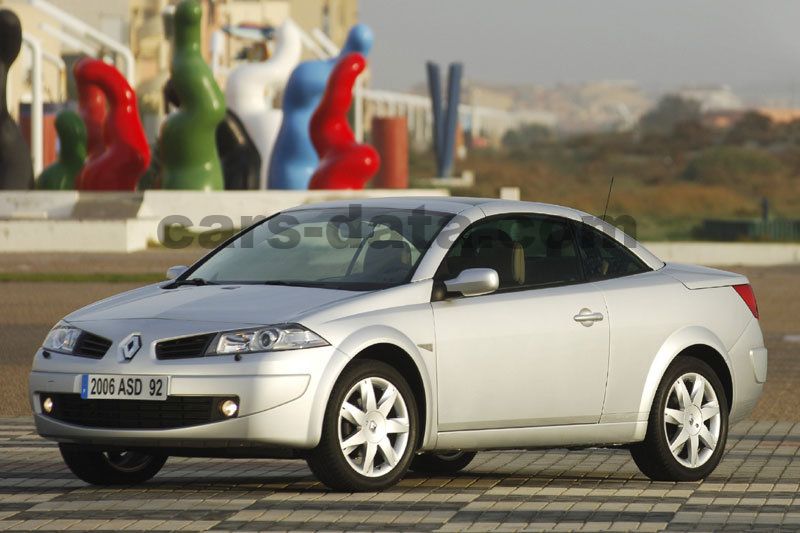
x=753, y=45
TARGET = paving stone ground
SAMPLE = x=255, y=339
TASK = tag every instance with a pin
x=754, y=488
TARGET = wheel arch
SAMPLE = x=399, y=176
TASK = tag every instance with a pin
x=399, y=359
x=387, y=344
x=698, y=342
x=717, y=362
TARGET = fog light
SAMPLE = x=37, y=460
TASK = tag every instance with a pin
x=229, y=408
x=47, y=405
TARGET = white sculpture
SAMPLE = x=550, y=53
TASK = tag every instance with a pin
x=251, y=89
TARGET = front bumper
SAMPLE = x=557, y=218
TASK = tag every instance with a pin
x=282, y=399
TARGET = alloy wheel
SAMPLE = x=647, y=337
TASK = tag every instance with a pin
x=373, y=427
x=692, y=420
x=128, y=461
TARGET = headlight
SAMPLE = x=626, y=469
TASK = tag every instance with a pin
x=62, y=338
x=266, y=339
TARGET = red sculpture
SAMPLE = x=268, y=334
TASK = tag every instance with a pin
x=92, y=109
x=343, y=163
x=125, y=155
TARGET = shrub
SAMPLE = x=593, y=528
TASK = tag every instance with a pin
x=731, y=165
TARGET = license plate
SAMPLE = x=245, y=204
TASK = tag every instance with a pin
x=108, y=387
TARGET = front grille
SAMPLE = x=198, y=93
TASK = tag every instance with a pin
x=174, y=412
x=91, y=345
x=184, y=347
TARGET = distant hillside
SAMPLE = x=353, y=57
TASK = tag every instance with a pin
x=605, y=105
x=669, y=182
x=601, y=105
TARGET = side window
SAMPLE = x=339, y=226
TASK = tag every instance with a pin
x=605, y=258
x=551, y=254
x=526, y=251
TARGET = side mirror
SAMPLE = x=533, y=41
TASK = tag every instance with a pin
x=474, y=282
x=175, y=272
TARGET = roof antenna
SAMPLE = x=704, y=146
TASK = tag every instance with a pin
x=610, y=186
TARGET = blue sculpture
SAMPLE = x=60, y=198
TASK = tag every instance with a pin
x=293, y=156
x=445, y=121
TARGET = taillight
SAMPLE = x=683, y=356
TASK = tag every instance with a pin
x=749, y=297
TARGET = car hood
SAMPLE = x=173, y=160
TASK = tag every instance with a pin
x=234, y=304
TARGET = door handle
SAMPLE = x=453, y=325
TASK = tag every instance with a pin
x=587, y=318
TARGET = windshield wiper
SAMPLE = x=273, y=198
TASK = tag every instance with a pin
x=347, y=286
x=191, y=281
x=297, y=283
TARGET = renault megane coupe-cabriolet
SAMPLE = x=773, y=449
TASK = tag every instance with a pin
x=394, y=333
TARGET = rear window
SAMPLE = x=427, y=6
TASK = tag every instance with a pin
x=604, y=257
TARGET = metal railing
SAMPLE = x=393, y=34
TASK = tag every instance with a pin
x=80, y=36
x=86, y=32
x=417, y=110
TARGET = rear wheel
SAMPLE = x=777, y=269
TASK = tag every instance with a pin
x=369, y=432
x=688, y=424
x=111, y=468
x=442, y=463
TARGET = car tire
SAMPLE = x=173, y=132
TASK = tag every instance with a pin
x=442, y=463
x=359, y=425
x=694, y=426
x=111, y=468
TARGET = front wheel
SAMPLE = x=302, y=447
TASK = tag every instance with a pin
x=442, y=463
x=688, y=424
x=369, y=432
x=111, y=468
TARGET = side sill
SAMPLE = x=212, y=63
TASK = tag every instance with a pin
x=543, y=437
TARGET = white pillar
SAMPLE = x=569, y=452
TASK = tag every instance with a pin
x=37, y=112
x=476, y=122
x=358, y=114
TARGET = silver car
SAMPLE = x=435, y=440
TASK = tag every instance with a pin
x=406, y=333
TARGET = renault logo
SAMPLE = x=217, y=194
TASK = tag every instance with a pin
x=130, y=345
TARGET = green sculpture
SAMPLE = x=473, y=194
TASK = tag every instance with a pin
x=61, y=175
x=187, y=147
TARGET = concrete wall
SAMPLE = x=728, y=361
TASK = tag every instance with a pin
x=121, y=222
x=158, y=204
x=727, y=253
x=74, y=235
x=50, y=221
x=37, y=204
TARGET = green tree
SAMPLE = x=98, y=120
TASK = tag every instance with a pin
x=691, y=135
x=526, y=136
x=670, y=111
x=753, y=127
x=733, y=165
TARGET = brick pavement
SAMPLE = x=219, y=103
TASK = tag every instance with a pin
x=755, y=487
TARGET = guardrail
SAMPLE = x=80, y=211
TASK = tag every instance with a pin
x=780, y=230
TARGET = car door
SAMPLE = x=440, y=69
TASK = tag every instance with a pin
x=533, y=353
x=631, y=291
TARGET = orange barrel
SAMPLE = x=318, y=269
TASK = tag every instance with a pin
x=390, y=139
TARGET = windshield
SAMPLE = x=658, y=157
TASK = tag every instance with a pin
x=351, y=248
